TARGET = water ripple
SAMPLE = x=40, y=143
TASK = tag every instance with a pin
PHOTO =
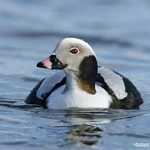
x=51, y=34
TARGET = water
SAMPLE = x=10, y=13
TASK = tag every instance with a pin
x=29, y=30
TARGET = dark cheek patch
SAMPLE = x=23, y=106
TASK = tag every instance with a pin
x=88, y=69
x=88, y=73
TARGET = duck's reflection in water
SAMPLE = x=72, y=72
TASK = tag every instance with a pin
x=85, y=128
x=85, y=134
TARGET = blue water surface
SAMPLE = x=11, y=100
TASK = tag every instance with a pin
x=119, y=32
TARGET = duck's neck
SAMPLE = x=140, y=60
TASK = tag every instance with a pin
x=85, y=77
x=74, y=81
x=87, y=86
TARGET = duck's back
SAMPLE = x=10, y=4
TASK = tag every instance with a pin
x=123, y=92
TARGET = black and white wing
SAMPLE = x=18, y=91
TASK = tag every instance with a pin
x=44, y=88
x=124, y=94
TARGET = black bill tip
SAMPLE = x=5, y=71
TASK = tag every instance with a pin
x=40, y=65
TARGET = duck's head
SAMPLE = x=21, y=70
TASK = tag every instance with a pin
x=74, y=56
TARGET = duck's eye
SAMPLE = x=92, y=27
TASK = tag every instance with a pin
x=74, y=51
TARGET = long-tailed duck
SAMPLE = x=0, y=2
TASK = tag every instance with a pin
x=80, y=83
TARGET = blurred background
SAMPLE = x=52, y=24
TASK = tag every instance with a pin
x=119, y=32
